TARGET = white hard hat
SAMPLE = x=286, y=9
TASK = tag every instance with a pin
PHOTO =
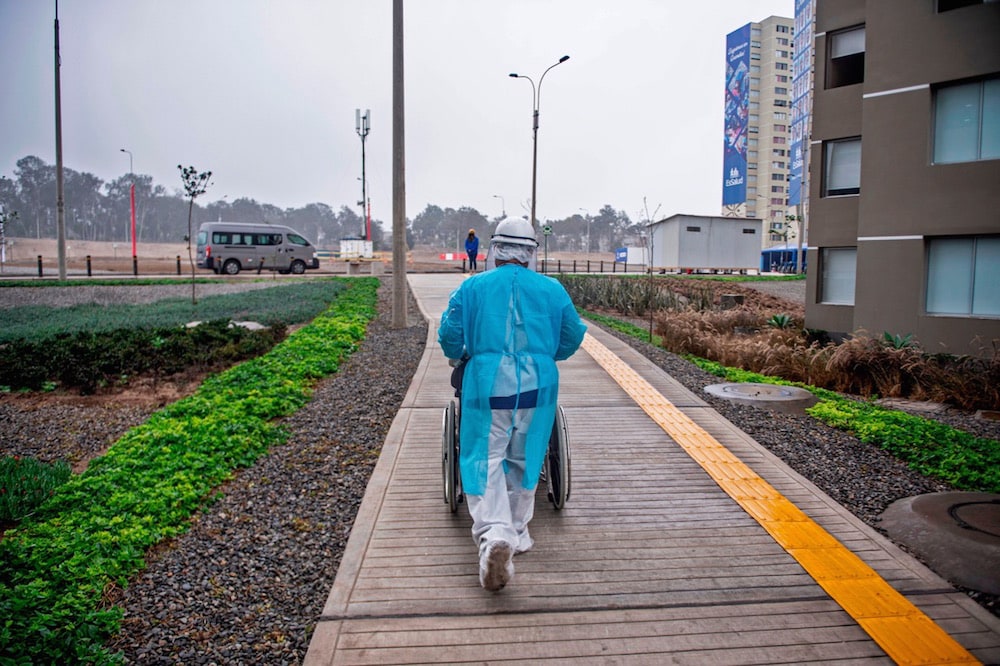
x=515, y=231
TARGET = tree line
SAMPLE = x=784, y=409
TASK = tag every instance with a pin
x=95, y=210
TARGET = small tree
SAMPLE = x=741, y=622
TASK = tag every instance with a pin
x=195, y=184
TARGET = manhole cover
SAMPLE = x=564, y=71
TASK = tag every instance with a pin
x=981, y=516
x=770, y=396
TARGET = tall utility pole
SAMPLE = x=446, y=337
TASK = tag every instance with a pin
x=60, y=200
x=399, y=289
x=361, y=125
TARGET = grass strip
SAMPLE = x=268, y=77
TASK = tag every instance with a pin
x=94, y=532
x=932, y=448
x=287, y=303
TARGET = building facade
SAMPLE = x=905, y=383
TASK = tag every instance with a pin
x=905, y=183
x=758, y=116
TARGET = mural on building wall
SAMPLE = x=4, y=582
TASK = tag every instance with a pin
x=737, y=109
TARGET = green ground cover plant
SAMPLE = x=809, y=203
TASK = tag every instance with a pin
x=284, y=303
x=93, y=533
x=25, y=483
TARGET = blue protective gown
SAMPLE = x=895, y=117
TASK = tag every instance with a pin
x=514, y=324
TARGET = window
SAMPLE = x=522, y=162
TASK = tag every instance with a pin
x=780, y=128
x=838, y=275
x=961, y=276
x=780, y=90
x=781, y=78
x=778, y=176
x=295, y=239
x=781, y=28
x=694, y=229
x=782, y=41
x=846, y=58
x=755, y=69
x=780, y=54
x=842, y=167
x=780, y=115
x=781, y=65
x=967, y=122
x=948, y=5
x=749, y=231
x=778, y=140
x=777, y=189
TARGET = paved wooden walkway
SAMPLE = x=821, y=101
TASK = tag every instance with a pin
x=652, y=561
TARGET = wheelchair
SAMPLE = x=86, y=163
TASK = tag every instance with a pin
x=555, y=467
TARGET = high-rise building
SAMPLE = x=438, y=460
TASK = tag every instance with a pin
x=905, y=184
x=758, y=116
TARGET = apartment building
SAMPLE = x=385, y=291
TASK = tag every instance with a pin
x=758, y=116
x=904, y=228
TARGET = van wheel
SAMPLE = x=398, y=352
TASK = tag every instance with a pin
x=231, y=267
x=298, y=267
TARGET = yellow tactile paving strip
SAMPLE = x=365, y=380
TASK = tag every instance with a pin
x=906, y=634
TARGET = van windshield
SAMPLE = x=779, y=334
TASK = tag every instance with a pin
x=202, y=237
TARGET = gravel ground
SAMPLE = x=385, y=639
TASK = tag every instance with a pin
x=245, y=584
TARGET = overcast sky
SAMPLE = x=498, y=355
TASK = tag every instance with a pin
x=263, y=93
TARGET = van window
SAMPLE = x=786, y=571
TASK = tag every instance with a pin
x=295, y=239
x=267, y=239
x=202, y=237
x=222, y=237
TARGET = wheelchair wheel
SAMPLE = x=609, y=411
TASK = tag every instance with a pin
x=557, y=476
x=450, y=475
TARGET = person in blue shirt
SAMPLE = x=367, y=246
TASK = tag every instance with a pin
x=512, y=324
x=472, y=249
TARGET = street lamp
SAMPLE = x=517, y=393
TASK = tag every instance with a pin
x=503, y=209
x=536, y=94
x=131, y=197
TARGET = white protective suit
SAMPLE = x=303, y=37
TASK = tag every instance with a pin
x=514, y=324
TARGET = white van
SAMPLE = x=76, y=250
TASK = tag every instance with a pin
x=229, y=247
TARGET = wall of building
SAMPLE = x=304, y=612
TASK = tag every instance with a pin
x=719, y=243
x=905, y=199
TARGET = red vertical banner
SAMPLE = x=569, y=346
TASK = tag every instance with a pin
x=131, y=195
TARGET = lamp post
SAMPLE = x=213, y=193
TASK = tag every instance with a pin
x=362, y=127
x=503, y=209
x=131, y=198
x=536, y=94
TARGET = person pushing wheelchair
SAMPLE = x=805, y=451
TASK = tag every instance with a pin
x=512, y=324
